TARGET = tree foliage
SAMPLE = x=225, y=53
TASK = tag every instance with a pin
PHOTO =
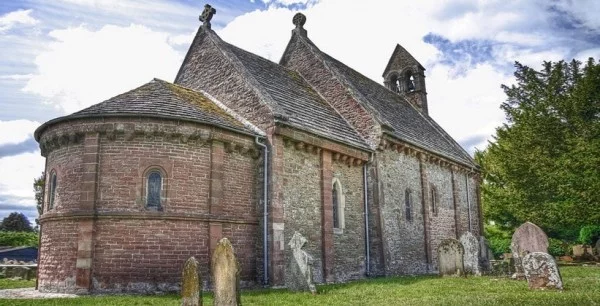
x=38, y=187
x=544, y=165
x=16, y=222
x=19, y=239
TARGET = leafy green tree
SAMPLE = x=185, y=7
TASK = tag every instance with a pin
x=544, y=165
x=16, y=222
x=38, y=187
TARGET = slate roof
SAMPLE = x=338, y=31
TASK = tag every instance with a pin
x=304, y=108
x=407, y=122
x=160, y=99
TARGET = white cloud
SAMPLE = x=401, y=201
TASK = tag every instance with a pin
x=12, y=19
x=16, y=131
x=467, y=105
x=22, y=170
x=83, y=67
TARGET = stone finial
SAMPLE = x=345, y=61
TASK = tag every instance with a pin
x=299, y=20
x=191, y=292
x=207, y=15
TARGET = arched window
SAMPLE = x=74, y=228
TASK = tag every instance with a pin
x=410, y=82
x=408, y=204
x=434, y=199
x=53, y=185
x=338, y=205
x=154, y=187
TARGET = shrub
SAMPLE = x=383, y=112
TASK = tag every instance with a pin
x=499, y=239
x=589, y=234
x=558, y=247
x=18, y=238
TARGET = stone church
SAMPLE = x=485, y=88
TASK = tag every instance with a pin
x=241, y=147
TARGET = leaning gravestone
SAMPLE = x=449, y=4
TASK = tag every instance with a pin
x=191, y=293
x=450, y=257
x=485, y=255
x=528, y=238
x=225, y=275
x=541, y=271
x=300, y=266
x=471, y=255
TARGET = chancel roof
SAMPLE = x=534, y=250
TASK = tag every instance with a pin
x=162, y=99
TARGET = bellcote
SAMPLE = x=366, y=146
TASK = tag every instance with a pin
x=405, y=76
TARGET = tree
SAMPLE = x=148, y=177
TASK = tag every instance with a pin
x=544, y=163
x=16, y=222
x=38, y=187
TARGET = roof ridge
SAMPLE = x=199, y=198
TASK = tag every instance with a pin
x=223, y=46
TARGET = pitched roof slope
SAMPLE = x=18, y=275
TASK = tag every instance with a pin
x=161, y=99
x=408, y=123
x=388, y=108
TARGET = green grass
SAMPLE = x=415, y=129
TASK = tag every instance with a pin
x=582, y=287
x=11, y=284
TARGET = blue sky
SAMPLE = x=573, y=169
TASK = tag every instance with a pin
x=59, y=56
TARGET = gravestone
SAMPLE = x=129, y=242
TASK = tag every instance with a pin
x=541, y=271
x=597, y=247
x=300, y=265
x=450, y=257
x=191, y=292
x=485, y=255
x=471, y=253
x=225, y=275
x=583, y=252
x=528, y=238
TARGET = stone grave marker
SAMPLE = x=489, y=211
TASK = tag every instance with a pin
x=583, y=252
x=528, y=238
x=300, y=266
x=450, y=257
x=541, y=271
x=225, y=275
x=485, y=255
x=191, y=292
x=471, y=253
x=597, y=247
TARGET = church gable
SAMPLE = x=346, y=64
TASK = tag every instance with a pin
x=385, y=111
x=207, y=67
x=405, y=76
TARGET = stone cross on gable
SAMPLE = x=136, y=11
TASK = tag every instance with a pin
x=207, y=15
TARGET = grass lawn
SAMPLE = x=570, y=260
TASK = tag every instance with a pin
x=582, y=288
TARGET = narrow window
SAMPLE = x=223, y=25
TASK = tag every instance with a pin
x=410, y=86
x=408, y=204
x=154, y=189
x=52, y=190
x=336, y=204
x=434, y=199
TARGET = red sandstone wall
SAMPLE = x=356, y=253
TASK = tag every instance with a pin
x=127, y=247
x=58, y=254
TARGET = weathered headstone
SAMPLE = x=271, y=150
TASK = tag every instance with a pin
x=541, y=271
x=191, y=292
x=225, y=275
x=582, y=252
x=471, y=253
x=528, y=238
x=450, y=257
x=300, y=266
x=485, y=255
x=597, y=247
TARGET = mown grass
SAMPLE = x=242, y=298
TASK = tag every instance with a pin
x=582, y=287
x=11, y=284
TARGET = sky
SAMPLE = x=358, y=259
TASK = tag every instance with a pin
x=60, y=56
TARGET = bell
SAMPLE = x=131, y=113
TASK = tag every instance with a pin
x=411, y=85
